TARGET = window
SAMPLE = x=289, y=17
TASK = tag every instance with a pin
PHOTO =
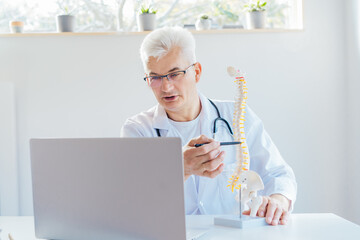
x=120, y=15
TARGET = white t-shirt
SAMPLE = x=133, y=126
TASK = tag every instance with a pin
x=188, y=130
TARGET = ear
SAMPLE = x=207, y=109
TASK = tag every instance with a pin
x=198, y=71
x=147, y=80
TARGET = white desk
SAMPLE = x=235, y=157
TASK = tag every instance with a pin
x=301, y=226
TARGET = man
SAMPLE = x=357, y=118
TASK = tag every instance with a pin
x=168, y=56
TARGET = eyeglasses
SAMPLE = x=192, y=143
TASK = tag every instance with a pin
x=155, y=81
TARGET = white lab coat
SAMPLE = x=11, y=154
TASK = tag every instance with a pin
x=211, y=196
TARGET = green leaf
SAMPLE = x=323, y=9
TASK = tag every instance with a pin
x=204, y=17
x=147, y=9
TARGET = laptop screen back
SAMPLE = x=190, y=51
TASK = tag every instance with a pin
x=108, y=188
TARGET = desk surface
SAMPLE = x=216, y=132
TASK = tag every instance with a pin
x=301, y=226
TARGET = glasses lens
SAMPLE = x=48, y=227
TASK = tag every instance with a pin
x=176, y=76
x=154, y=81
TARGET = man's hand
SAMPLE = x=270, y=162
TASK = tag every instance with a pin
x=205, y=160
x=275, y=208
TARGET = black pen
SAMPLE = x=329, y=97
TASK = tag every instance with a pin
x=221, y=143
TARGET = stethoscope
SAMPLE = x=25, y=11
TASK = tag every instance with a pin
x=219, y=118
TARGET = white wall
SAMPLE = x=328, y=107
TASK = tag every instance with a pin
x=9, y=194
x=86, y=86
x=353, y=97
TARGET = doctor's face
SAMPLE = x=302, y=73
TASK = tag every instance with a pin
x=176, y=96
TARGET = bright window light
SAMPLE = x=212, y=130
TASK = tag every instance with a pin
x=120, y=15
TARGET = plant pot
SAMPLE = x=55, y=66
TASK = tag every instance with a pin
x=65, y=23
x=146, y=21
x=16, y=26
x=255, y=19
x=220, y=20
x=203, y=24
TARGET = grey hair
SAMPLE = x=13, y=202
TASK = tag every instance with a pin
x=159, y=42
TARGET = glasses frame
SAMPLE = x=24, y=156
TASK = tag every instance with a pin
x=147, y=78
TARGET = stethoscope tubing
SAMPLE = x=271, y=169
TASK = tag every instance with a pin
x=219, y=118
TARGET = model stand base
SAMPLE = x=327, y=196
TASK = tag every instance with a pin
x=236, y=222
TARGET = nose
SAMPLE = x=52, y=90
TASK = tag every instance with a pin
x=166, y=84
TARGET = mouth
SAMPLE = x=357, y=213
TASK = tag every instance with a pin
x=170, y=98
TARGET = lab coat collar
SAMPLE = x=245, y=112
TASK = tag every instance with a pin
x=205, y=116
x=160, y=119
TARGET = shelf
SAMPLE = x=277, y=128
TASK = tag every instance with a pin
x=215, y=31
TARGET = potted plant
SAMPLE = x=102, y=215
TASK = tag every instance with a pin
x=203, y=22
x=66, y=21
x=223, y=14
x=255, y=14
x=16, y=26
x=146, y=19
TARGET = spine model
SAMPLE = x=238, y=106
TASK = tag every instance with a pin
x=247, y=182
x=242, y=152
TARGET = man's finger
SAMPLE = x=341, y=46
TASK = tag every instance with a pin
x=202, y=163
x=200, y=139
x=262, y=208
x=270, y=211
x=277, y=216
x=214, y=163
x=247, y=212
x=205, y=152
x=214, y=173
x=284, y=217
x=212, y=155
x=206, y=148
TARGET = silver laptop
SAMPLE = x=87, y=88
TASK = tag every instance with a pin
x=108, y=188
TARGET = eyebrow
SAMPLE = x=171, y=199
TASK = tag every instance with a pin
x=171, y=70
